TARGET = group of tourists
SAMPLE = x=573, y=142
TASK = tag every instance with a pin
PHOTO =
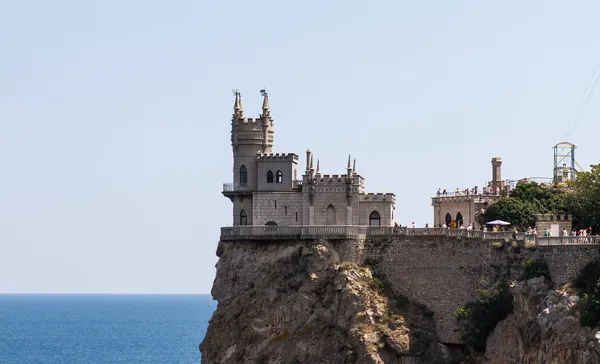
x=470, y=191
x=563, y=232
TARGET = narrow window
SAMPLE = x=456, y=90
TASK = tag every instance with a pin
x=243, y=176
x=286, y=210
x=269, y=177
x=243, y=218
x=275, y=204
x=279, y=177
x=296, y=215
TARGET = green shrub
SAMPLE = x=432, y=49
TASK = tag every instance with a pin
x=588, y=283
x=536, y=268
x=591, y=314
x=376, y=285
x=478, y=318
x=498, y=244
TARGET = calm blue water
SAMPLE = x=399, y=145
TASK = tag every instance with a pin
x=103, y=329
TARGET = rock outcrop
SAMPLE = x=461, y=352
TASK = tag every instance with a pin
x=544, y=328
x=297, y=302
x=293, y=302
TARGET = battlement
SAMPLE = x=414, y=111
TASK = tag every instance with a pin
x=379, y=197
x=276, y=156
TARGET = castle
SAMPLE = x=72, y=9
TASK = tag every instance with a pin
x=267, y=192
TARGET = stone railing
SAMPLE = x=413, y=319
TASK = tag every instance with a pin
x=361, y=232
x=564, y=240
x=293, y=232
x=231, y=187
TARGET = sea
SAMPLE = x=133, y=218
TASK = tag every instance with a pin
x=103, y=329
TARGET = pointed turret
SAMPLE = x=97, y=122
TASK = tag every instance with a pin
x=318, y=167
x=265, y=105
x=237, y=105
x=354, y=167
x=349, y=170
x=348, y=162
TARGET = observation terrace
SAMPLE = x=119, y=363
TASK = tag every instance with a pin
x=341, y=232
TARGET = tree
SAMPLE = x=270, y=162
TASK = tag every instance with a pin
x=544, y=199
x=512, y=210
x=583, y=199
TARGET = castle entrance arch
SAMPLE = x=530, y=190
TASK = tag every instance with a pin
x=330, y=218
x=448, y=219
x=459, y=219
x=271, y=223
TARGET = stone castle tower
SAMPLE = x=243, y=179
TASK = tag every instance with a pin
x=267, y=191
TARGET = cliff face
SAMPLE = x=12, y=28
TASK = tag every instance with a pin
x=292, y=302
x=544, y=328
x=298, y=302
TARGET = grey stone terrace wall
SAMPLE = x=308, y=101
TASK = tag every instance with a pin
x=444, y=273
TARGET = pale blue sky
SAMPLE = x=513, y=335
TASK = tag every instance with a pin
x=115, y=116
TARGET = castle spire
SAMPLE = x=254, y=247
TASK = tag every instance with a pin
x=354, y=167
x=265, y=105
x=318, y=167
x=237, y=105
x=311, y=161
x=348, y=162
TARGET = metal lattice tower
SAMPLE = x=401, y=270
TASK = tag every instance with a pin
x=564, y=162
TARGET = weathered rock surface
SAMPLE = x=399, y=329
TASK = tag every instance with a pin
x=544, y=328
x=294, y=303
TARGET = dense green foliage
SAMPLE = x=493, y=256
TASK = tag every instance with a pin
x=478, y=318
x=591, y=314
x=536, y=268
x=588, y=283
x=583, y=199
x=526, y=201
x=512, y=210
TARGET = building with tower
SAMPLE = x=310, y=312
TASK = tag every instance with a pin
x=266, y=189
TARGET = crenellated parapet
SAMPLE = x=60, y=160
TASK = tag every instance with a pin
x=378, y=197
x=277, y=157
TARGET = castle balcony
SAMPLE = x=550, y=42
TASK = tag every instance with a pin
x=452, y=197
x=233, y=189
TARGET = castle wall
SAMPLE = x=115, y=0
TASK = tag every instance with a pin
x=444, y=273
x=286, y=163
x=266, y=211
x=376, y=202
x=242, y=202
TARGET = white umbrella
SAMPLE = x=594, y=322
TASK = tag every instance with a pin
x=498, y=222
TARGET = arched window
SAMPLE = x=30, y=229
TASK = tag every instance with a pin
x=448, y=219
x=269, y=177
x=279, y=177
x=243, y=176
x=459, y=219
x=243, y=218
x=374, y=219
x=330, y=216
x=271, y=223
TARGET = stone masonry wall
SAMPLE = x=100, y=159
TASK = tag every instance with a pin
x=444, y=273
x=265, y=210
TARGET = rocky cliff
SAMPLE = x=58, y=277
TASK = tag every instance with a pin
x=544, y=328
x=299, y=302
